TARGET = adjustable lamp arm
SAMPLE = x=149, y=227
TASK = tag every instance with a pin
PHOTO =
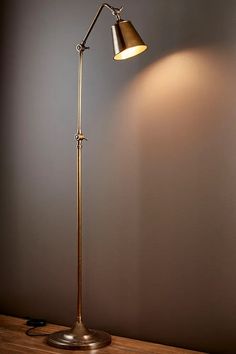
x=115, y=12
x=80, y=49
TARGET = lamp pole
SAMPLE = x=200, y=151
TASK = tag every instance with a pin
x=79, y=137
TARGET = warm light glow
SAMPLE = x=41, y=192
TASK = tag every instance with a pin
x=177, y=102
x=130, y=52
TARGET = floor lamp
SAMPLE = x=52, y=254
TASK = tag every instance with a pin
x=127, y=43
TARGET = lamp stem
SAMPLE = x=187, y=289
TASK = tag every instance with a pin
x=79, y=138
x=79, y=336
x=80, y=83
x=79, y=209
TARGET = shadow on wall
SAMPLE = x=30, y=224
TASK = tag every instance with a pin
x=180, y=115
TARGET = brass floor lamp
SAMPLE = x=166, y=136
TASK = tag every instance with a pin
x=127, y=43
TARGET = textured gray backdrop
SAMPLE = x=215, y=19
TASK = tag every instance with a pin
x=159, y=177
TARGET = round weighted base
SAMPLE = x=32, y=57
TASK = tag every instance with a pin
x=79, y=337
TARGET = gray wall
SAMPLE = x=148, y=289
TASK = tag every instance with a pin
x=159, y=170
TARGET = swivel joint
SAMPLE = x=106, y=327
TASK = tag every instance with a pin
x=79, y=137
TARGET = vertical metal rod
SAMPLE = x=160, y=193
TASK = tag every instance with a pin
x=79, y=188
x=80, y=83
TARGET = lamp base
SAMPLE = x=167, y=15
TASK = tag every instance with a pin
x=79, y=337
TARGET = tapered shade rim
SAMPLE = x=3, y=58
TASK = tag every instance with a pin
x=130, y=52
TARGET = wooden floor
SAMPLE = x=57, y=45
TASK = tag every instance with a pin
x=13, y=340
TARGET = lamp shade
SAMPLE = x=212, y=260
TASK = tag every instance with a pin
x=126, y=40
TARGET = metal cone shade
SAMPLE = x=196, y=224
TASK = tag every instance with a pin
x=126, y=40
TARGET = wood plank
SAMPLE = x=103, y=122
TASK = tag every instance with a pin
x=13, y=340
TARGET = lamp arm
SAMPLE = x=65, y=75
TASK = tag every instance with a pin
x=115, y=12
